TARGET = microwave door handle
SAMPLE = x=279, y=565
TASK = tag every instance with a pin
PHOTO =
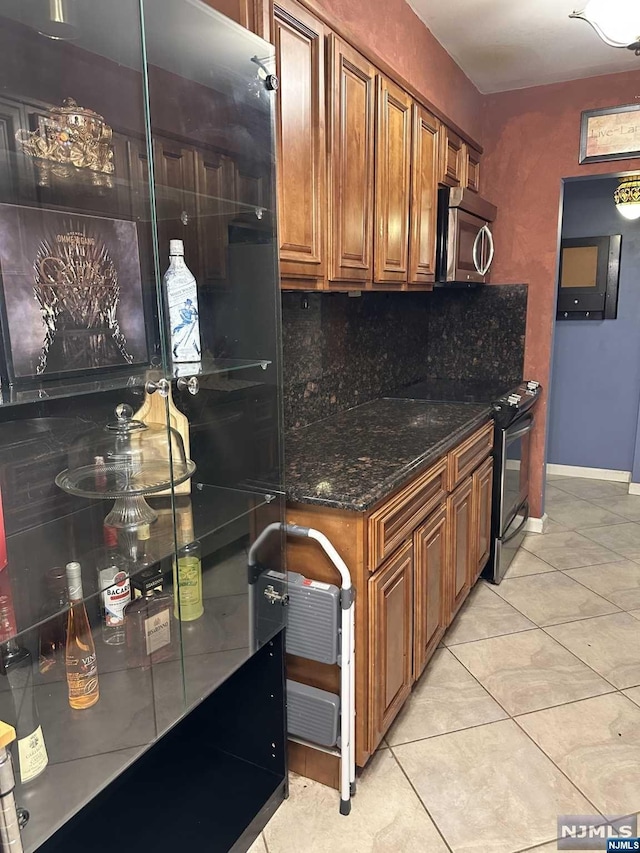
x=489, y=236
x=474, y=253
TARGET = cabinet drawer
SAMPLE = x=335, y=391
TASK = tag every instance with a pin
x=465, y=458
x=396, y=520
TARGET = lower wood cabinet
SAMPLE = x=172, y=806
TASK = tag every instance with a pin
x=461, y=544
x=429, y=589
x=482, y=493
x=390, y=596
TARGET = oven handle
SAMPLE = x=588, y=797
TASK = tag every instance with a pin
x=522, y=431
x=520, y=526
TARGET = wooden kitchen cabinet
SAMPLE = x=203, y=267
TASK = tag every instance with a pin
x=482, y=493
x=390, y=640
x=429, y=591
x=392, y=183
x=460, y=564
x=472, y=169
x=351, y=165
x=252, y=14
x=452, y=158
x=299, y=40
x=424, y=197
x=214, y=182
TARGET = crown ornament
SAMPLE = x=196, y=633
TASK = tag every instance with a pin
x=70, y=138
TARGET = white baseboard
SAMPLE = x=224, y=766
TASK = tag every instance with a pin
x=634, y=488
x=536, y=525
x=590, y=473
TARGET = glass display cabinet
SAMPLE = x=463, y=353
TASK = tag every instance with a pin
x=140, y=425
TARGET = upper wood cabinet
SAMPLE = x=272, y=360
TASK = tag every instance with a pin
x=429, y=597
x=472, y=169
x=390, y=597
x=252, y=14
x=424, y=196
x=452, y=158
x=299, y=40
x=392, y=188
x=351, y=151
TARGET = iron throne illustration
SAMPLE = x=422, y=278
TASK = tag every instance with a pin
x=76, y=286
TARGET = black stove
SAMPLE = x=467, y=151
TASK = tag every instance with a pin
x=510, y=406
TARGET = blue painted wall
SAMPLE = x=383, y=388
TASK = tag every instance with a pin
x=595, y=387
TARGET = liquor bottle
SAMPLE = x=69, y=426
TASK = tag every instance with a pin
x=17, y=699
x=150, y=634
x=53, y=632
x=80, y=658
x=182, y=300
x=115, y=589
x=187, y=568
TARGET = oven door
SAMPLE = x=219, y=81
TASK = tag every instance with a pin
x=507, y=545
x=470, y=247
x=516, y=441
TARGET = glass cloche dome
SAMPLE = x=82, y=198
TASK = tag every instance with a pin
x=126, y=460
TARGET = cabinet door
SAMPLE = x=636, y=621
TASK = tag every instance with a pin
x=429, y=568
x=352, y=119
x=461, y=544
x=174, y=170
x=424, y=196
x=472, y=170
x=482, y=492
x=300, y=57
x=214, y=181
x=390, y=634
x=451, y=158
x=392, y=189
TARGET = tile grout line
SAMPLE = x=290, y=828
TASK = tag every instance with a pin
x=602, y=595
x=264, y=839
x=420, y=800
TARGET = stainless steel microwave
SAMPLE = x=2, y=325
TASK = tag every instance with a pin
x=465, y=242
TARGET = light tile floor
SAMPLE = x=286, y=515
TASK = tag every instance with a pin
x=529, y=709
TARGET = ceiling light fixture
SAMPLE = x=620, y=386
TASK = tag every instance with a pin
x=627, y=197
x=617, y=22
x=59, y=20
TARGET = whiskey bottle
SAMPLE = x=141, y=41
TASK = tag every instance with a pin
x=80, y=658
x=53, y=632
x=115, y=589
x=182, y=300
x=187, y=569
x=17, y=699
x=147, y=619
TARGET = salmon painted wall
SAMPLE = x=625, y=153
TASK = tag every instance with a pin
x=394, y=32
x=531, y=139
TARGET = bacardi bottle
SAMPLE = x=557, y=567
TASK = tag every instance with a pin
x=17, y=699
x=182, y=300
x=80, y=658
x=114, y=587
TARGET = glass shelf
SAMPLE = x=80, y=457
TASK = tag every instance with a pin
x=220, y=516
x=136, y=378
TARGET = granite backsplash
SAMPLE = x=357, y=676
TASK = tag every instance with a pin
x=341, y=351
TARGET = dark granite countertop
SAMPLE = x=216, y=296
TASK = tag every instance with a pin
x=356, y=458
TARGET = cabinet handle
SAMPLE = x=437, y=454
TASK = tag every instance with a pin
x=162, y=386
x=191, y=384
x=489, y=236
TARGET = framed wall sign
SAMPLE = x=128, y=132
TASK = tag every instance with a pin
x=71, y=294
x=612, y=133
